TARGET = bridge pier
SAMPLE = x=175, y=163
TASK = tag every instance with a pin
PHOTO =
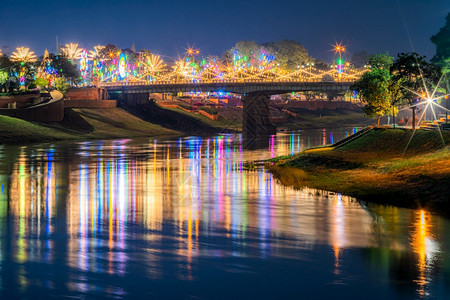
x=256, y=116
x=133, y=99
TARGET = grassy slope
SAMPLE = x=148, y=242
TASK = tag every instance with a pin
x=115, y=122
x=14, y=130
x=327, y=118
x=80, y=124
x=219, y=124
x=180, y=120
x=374, y=168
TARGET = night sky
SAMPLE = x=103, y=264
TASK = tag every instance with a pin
x=167, y=27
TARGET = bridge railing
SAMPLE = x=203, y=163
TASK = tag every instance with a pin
x=216, y=81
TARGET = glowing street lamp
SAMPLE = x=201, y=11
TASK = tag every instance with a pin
x=338, y=48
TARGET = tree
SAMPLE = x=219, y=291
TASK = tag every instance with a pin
x=62, y=85
x=380, y=61
x=442, y=42
x=288, y=54
x=41, y=82
x=415, y=74
x=4, y=77
x=377, y=89
x=5, y=63
x=243, y=51
x=108, y=52
x=64, y=68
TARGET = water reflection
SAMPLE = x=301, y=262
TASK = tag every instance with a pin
x=103, y=217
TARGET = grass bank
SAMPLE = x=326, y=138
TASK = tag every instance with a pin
x=177, y=119
x=81, y=124
x=376, y=168
x=327, y=118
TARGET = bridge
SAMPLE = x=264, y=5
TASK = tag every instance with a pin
x=255, y=79
x=255, y=94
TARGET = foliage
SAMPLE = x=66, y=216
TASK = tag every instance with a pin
x=415, y=74
x=108, y=52
x=41, y=82
x=245, y=48
x=22, y=72
x=5, y=62
x=4, y=80
x=380, y=61
x=62, y=85
x=288, y=54
x=64, y=68
x=442, y=42
x=377, y=90
x=3, y=77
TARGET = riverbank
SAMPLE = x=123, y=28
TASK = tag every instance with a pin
x=376, y=168
x=327, y=118
x=177, y=119
x=81, y=124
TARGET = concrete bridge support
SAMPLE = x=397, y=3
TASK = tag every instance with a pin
x=332, y=94
x=256, y=118
x=133, y=99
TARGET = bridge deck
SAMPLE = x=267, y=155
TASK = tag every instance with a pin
x=234, y=86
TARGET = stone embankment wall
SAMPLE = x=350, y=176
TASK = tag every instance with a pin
x=20, y=100
x=87, y=94
x=52, y=111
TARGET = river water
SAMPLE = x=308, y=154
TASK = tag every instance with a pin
x=181, y=218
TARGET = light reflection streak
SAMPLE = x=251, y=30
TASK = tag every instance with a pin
x=109, y=196
x=426, y=249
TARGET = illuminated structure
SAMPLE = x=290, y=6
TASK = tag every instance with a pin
x=122, y=66
x=338, y=48
x=106, y=66
x=84, y=67
x=72, y=52
x=23, y=55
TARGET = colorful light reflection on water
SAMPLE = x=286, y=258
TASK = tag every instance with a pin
x=183, y=219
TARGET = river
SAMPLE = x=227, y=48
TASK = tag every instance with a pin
x=182, y=218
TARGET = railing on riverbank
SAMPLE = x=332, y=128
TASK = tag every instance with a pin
x=353, y=137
